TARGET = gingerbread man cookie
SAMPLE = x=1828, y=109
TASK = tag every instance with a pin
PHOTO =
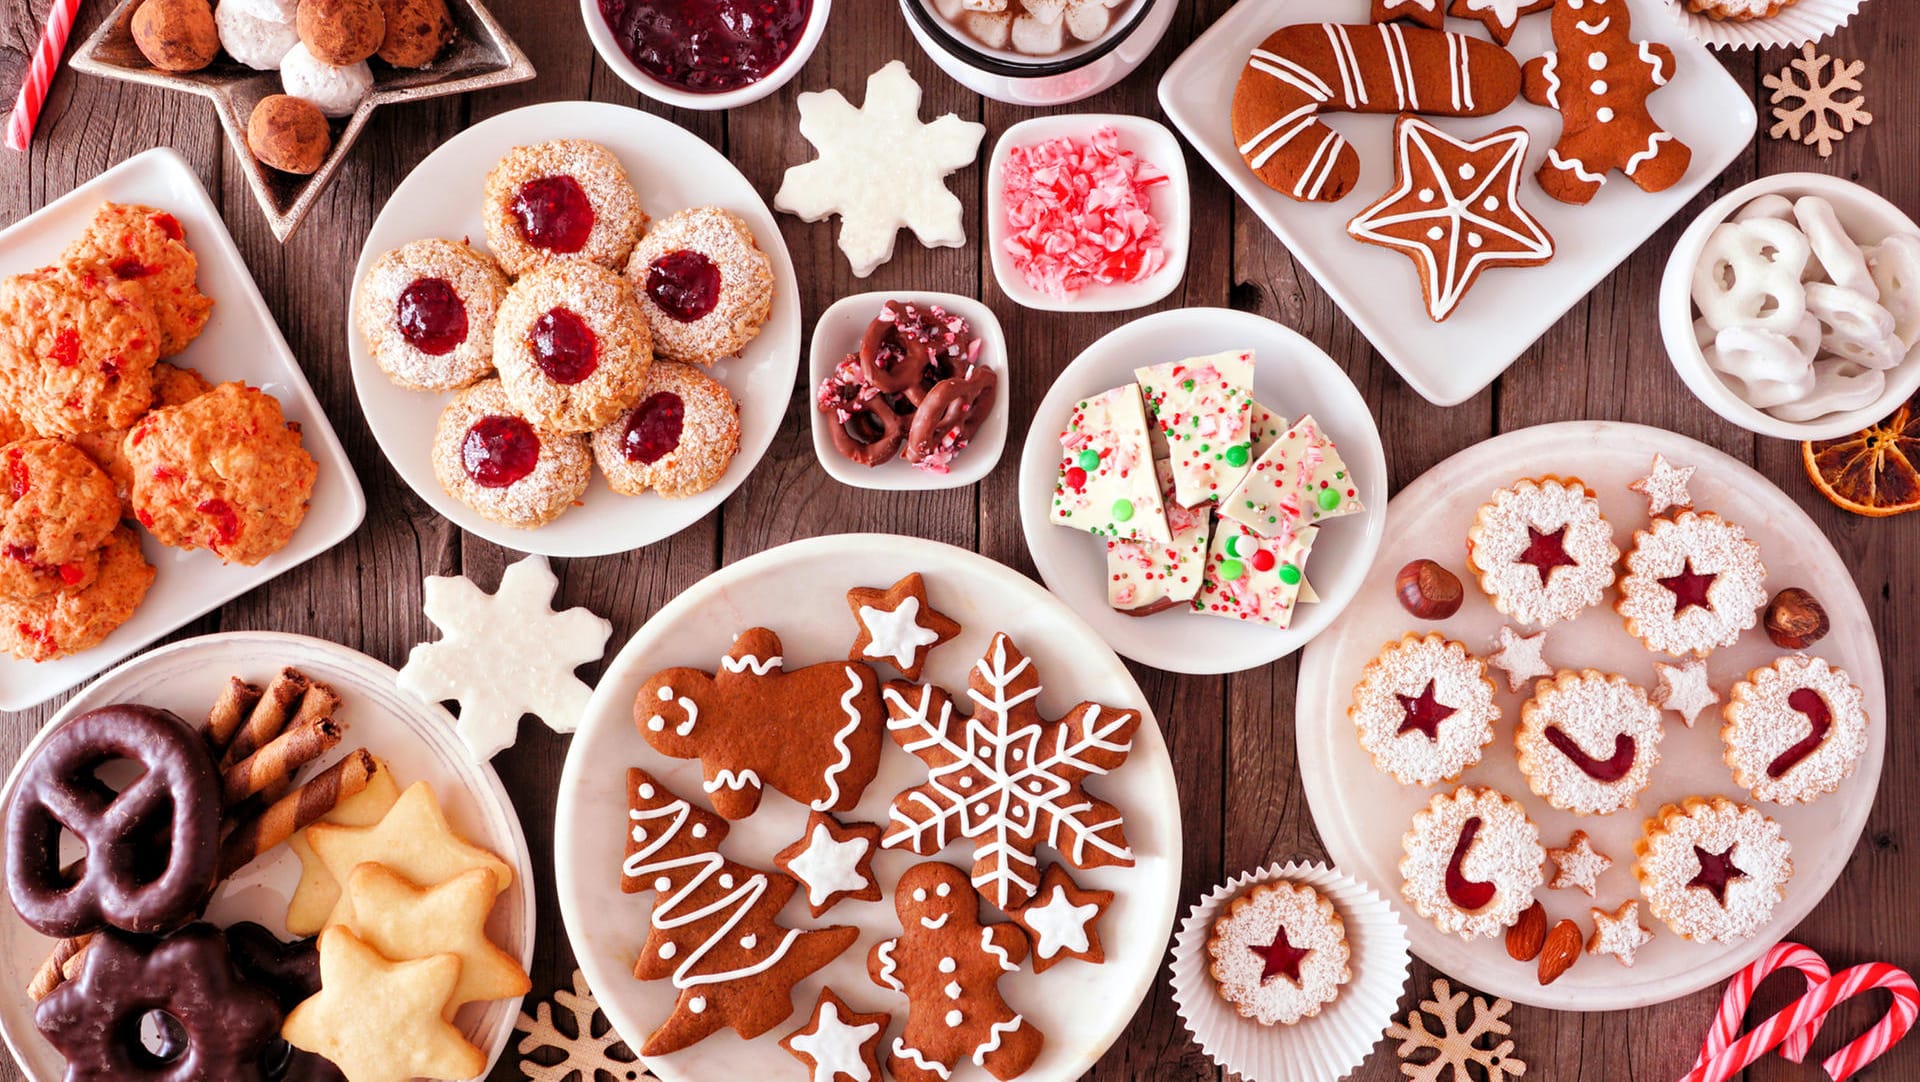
x=898, y=626
x=1599, y=78
x=823, y=754
x=949, y=966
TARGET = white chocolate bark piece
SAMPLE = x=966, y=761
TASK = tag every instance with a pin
x=1106, y=484
x=1265, y=428
x=1202, y=406
x=1300, y=481
x=1144, y=577
x=1254, y=578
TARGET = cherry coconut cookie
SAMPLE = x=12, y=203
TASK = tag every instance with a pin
x=427, y=311
x=1794, y=730
x=1712, y=869
x=1279, y=953
x=564, y=201
x=677, y=440
x=1588, y=741
x=56, y=510
x=496, y=461
x=172, y=386
x=571, y=346
x=1541, y=550
x=77, y=351
x=146, y=247
x=1694, y=582
x=67, y=621
x=1473, y=860
x=704, y=285
x=1424, y=709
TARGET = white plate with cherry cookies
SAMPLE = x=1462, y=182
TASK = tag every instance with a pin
x=1685, y=774
x=574, y=329
x=794, y=701
x=410, y=807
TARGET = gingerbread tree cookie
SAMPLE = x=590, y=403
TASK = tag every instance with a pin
x=898, y=626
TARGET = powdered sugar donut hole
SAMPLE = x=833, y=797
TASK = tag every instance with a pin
x=334, y=91
x=258, y=42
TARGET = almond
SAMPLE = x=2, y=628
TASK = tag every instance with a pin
x=1528, y=934
x=1560, y=951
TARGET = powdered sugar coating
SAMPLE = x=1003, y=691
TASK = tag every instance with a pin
x=1618, y=933
x=1521, y=657
x=746, y=284
x=709, y=437
x=1506, y=852
x=1683, y=689
x=558, y=479
x=1500, y=534
x=475, y=280
x=604, y=302
x=1709, y=545
x=1577, y=865
x=1761, y=725
x=1406, y=668
x=1667, y=864
x=1592, y=709
x=1250, y=923
x=1665, y=486
x=618, y=219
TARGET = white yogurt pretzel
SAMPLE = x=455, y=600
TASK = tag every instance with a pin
x=1838, y=385
x=1895, y=266
x=1749, y=272
x=1836, y=252
x=1854, y=325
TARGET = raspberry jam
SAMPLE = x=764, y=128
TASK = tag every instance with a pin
x=431, y=316
x=685, y=284
x=1424, y=713
x=499, y=450
x=1689, y=589
x=707, y=46
x=1466, y=893
x=653, y=429
x=1546, y=551
x=564, y=347
x=1603, y=770
x=554, y=213
x=1819, y=716
x=1280, y=958
x=1716, y=871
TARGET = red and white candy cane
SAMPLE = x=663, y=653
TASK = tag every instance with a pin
x=1793, y=1028
x=46, y=57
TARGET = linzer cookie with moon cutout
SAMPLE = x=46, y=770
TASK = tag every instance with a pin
x=1473, y=860
x=1794, y=730
x=823, y=753
x=1588, y=741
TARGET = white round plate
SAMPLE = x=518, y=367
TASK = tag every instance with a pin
x=1362, y=813
x=799, y=590
x=672, y=169
x=1294, y=378
x=416, y=739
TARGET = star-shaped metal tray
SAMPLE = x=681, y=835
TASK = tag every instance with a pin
x=480, y=56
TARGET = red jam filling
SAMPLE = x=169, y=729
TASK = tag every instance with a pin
x=499, y=450
x=1546, y=551
x=1424, y=713
x=1808, y=702
x=226, y=524
x=564, y=347
x=554, y=213
x=1466, y=893
x=653, y=430
x=128, y=269
x=1716, y=871
x=1281, y=958
x=1689, y=589
x=707, y=46
x=431, y=316
x=1606, y=770
x=685, y=284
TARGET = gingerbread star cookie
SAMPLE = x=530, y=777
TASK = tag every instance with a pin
x=403, y=921
x=897, y=625
x=838, y=1044
x=833, y=862
x=382, y=1021
x=1063, y=921
x=413, y=839
x=1500, y=17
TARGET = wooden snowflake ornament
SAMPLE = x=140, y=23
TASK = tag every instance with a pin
x=593, y=1052
x=1460, y=1049
x=1816, y=96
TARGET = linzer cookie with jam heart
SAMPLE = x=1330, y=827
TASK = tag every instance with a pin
x=1794, y=730
x=1588, y=741
x=1473, y=860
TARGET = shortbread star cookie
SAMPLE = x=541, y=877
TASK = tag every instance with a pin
x=1521, y=657
x=1618, y=933
x=833, y=862
x=402, y=921
x=1683, y=689
x=898, y=625
x=413, y=839
x=1577, y=865
x=382, y=1021
x=318, y=891
x=1665, y=486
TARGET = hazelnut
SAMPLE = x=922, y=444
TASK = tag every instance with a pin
x=288, y=134
x=1427, y=590
x=341, y=32
x=416, y=32
x=1795, y=619
x=176, y=35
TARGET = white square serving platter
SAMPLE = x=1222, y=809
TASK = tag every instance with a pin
x=1508, y=309
x=241, y=341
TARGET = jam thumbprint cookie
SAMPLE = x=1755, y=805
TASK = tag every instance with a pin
x=704, y=285
x=147, y=247
x=1424, y=709
x=225, y=472
x=1279, y=953
x=1588, y=741
x=561, y=201
x=1541, y=550
x=1694, y=582
x=1794, y=730
x=70, y=620
x=56, y=509
x=1712, y=869
x=677, y=440
x=427, y=310
x=571, y=346
x=494, y=460
x=1473, y=860
x=77, y=351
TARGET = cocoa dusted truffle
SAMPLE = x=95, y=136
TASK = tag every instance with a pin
x=341, y=32
x=176, y=35
x=416, y=32
x=288, y=134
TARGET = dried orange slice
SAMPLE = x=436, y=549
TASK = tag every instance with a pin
x=1875, y=471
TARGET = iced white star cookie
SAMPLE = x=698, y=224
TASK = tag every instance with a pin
x=833, y=862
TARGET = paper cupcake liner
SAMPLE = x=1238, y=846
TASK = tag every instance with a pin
x=1326, y=1046
x=1795, y=25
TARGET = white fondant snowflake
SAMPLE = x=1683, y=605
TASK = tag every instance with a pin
x=590, y=1056
x=1665, y=485
x=505, y=654
x=1520, y=657
x=1683, y=689
x=1578, y=866
x=1619, y=933
x=880, y=168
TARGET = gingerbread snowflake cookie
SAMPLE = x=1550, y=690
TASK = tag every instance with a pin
x=833, y=862
x=1712, y=869
x=1588, y=742
x=1794, y=730
x=839, y=1044
x=1541, y=550
x=1577, y=865
x=1473, y=860
x=1693, y=584
x=1424, y=709
x=898, y=625
x=1806, y=93
x=1279, y=953
x=1063, y=920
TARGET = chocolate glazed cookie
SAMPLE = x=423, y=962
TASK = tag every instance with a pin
x=151, y=848
x=291, y=972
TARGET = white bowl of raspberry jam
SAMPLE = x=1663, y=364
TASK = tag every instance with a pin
x=705, y=54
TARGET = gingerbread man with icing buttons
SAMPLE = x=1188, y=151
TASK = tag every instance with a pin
x=1599, y=78
x=948, y=965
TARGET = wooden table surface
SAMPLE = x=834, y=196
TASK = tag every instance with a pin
x=1231, y=737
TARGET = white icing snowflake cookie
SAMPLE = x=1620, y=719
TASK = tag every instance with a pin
x=833, y=862
x=1618, y=933
x=1683, y=689
x=1424, y=709
x=1473, y=860
x=1577, y=865
x=505, y=654
x=1063, y=921
x=1521, y=657
x=1541, y=550
x=1693, y=584
x=1279, y=953
x=1665, y=486
x=898, y=625
x=1588, y=742
x=879, y=168
x=1794, y=730
x=1712, y=869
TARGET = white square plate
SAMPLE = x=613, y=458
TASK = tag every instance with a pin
x=1507, y=309
x=241, y=341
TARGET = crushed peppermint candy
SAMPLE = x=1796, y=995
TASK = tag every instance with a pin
x=1080, y=212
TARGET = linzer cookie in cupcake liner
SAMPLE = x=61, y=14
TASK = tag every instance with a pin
x=1760, y=24
x=1285, y=1011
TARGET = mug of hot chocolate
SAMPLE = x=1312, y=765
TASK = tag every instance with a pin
x=1038, y=52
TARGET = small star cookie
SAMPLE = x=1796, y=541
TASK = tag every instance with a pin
x=833, y=862
x=404, y=921
x=382, y=1021
x=413, y=839
x=1665, y=486
x=1577, y=865
x=839, y=1044
x=897, y=625
x=1684, y=689
x=1618, y=933
x=1520, y=657
x=1063, y=920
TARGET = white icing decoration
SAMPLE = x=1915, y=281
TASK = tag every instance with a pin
x=993, y=1039
x=855, y=684
x=987, y=944
x=748, y=941
x=698, y=1004
x=1652, y=151
x=947, y=965
x=954, y=1018
x=953, y=990
x=913, y=1056
x=1575, y=166
x=1605, y=116
x=934, y=924
x=888, y=966
x=1594, y=29
x=835, y=1046
x=668, y=950
x=828, y=867
x=897, y=634
x=1060, y=925
x=1597, y=60
x=752, y=664
x=1657, y=68
x=732, y=780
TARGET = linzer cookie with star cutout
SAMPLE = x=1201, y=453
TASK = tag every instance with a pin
x=1588, y=741
x=1202, y=407
x=1299, y=481
x=1794, y=730
x=1541, y=550
x=1693, y=584
x=1473, y=860
x=1424, y=709
x=1106, y=484
x=1279, y=953
x=1712, y=869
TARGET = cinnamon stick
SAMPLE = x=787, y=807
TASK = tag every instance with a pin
x=295, y=811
